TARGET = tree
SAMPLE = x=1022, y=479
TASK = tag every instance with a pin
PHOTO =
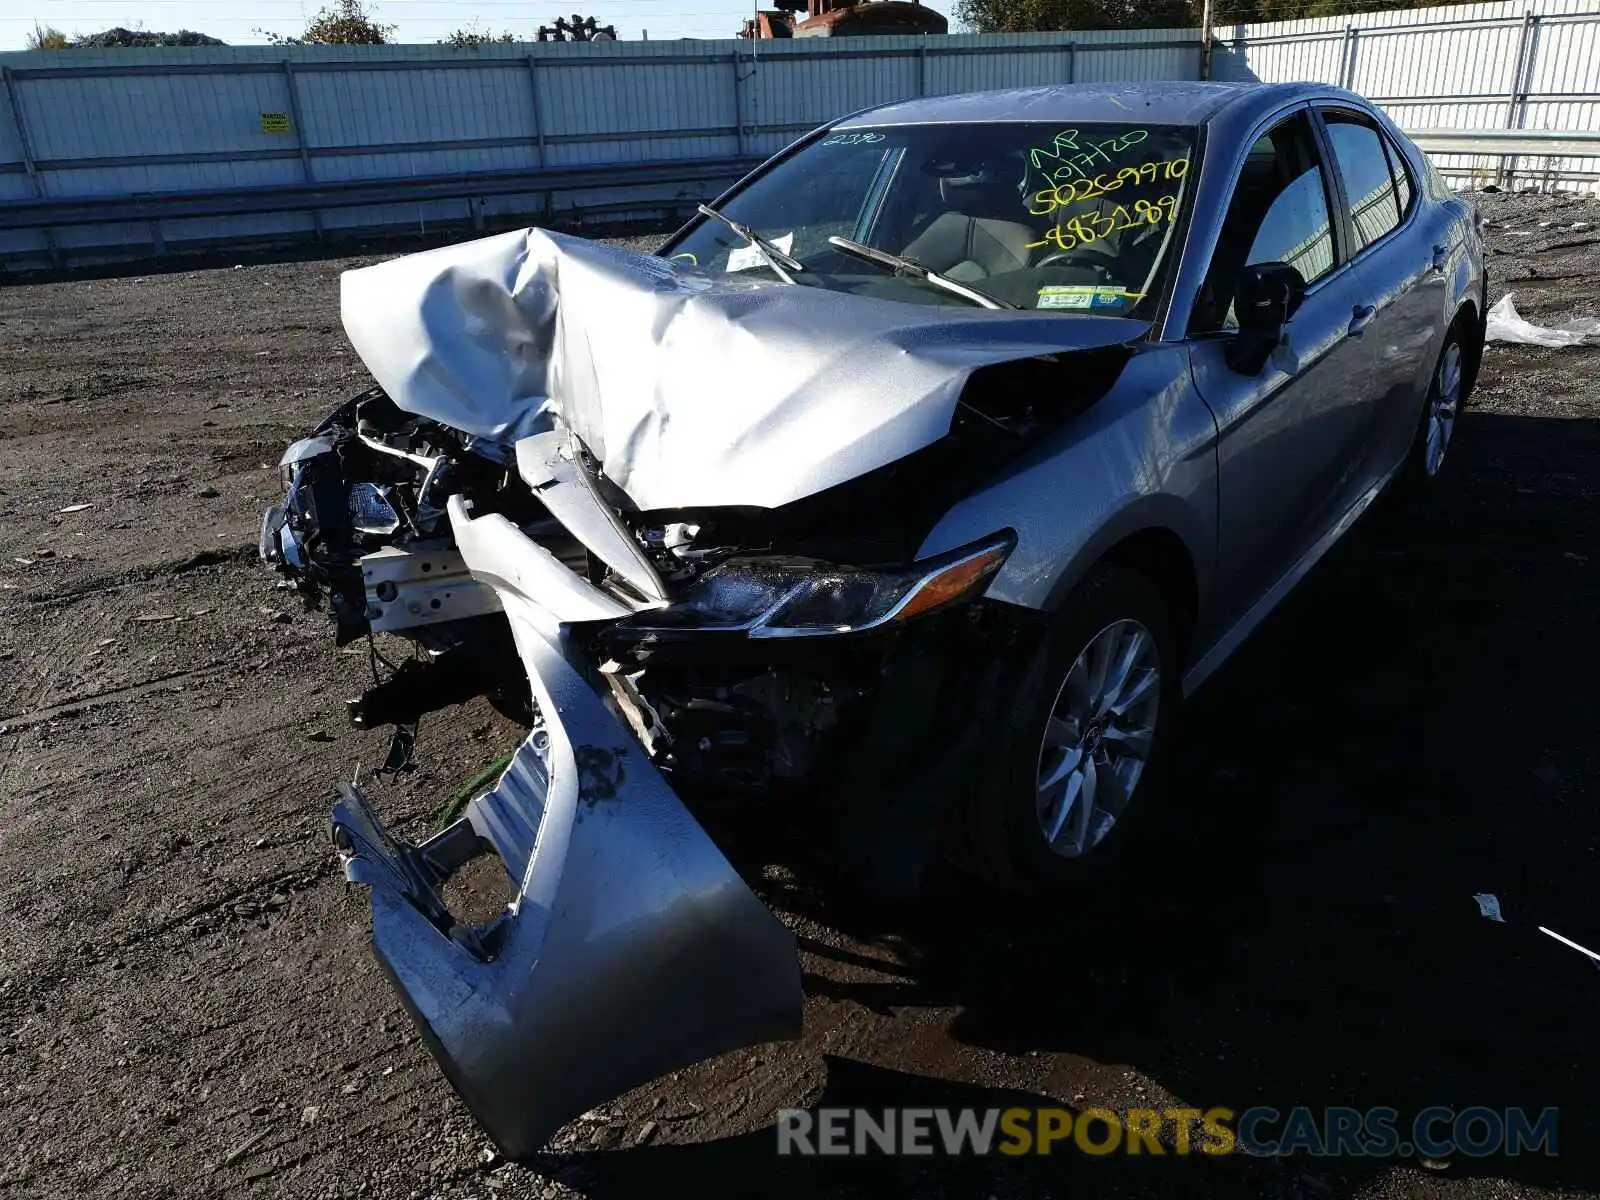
x=1020, y=16
x=143, y=37
x=463, y=38
x=47, y=37
x=346, y=23
x=578, y=29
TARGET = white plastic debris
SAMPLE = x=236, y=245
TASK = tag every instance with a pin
x=1569, y=942
x=1489, y=906
x=72, y=508
x=1506, y=324
x=743, y=258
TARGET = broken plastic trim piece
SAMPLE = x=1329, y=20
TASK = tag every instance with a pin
x=632, y=947
x=501, y=555
x=551, y=464
x=372, y=510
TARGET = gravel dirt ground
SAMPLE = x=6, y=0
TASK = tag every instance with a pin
x=188, y=1005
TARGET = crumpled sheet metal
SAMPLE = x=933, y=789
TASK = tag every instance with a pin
x=690, y=389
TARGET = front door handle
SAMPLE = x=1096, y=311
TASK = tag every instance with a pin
x=1360, y=316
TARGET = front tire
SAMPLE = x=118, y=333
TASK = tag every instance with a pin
x=1082, y=739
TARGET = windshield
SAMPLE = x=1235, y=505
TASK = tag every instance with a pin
x=1071, y=218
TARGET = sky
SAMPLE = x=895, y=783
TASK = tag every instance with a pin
x=235, y=21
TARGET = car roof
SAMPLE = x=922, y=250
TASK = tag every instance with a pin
x=1159, y=103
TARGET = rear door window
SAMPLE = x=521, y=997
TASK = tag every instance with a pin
x=1369, y=185
x=1401, y=172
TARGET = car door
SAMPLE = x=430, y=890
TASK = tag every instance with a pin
x=1289, y=434
x=1401, y=262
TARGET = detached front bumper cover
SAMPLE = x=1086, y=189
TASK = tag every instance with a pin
x=632, y=947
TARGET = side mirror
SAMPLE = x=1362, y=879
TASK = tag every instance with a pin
x=1269, y=295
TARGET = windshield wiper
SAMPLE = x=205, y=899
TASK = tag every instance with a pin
x=770, y=254
x=911, y=267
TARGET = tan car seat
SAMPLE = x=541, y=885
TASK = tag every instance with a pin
x=975, y=240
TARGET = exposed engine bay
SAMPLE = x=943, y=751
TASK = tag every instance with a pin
x=710, y=656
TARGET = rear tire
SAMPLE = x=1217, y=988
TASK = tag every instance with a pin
x=1090, y=716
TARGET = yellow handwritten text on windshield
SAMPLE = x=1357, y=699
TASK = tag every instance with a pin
x=1089, y=228
x=1049, y=199
x=1070, y=157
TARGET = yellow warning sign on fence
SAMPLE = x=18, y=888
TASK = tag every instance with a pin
x=274, y=122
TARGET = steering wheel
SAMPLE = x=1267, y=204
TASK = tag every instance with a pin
x=1076, y=257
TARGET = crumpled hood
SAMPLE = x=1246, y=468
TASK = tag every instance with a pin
x=691, y=390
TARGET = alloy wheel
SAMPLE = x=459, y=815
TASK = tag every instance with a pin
x=1442, y=409
x=1098, y=737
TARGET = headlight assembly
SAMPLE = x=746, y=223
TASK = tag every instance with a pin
x=773, y=598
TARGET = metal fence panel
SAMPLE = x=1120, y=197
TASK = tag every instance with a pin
x=175, y=122
x=97, y=117
x=10, y=132
x=1506, y=64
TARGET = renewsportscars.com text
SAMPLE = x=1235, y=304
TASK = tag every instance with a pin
x=1437, y=1132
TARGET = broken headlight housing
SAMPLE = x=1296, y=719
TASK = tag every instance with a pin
x=785, y=597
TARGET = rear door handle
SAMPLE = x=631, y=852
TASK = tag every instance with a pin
x=1440, y=255
x=1360, y=316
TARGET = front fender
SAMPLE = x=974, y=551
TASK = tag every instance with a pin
x=1142, y=458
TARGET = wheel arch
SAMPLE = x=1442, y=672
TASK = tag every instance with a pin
x=1163, y=558
x=1471, y=318
x=1155, y=550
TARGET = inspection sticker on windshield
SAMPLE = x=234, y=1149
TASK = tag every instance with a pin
x=1082, y=295
x=1065, y=297
x=742, y=258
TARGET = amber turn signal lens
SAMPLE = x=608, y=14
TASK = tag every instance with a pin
x=952, y=583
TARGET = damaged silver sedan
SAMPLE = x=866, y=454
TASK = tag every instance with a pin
x=927, y=471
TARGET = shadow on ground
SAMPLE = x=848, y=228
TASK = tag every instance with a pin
x=1415, y=725
x=747, y=1165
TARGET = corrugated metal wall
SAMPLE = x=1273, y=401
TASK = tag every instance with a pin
x=143, y=123
x=131, y=121
x=1505, y=64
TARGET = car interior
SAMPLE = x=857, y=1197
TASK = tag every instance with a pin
x=1277, y=161
x=970, y=209
x=972, y=223
x=976, y=235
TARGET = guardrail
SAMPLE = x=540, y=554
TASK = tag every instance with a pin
x=1507, y=146
x=1559, y=143
x=51, y=214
